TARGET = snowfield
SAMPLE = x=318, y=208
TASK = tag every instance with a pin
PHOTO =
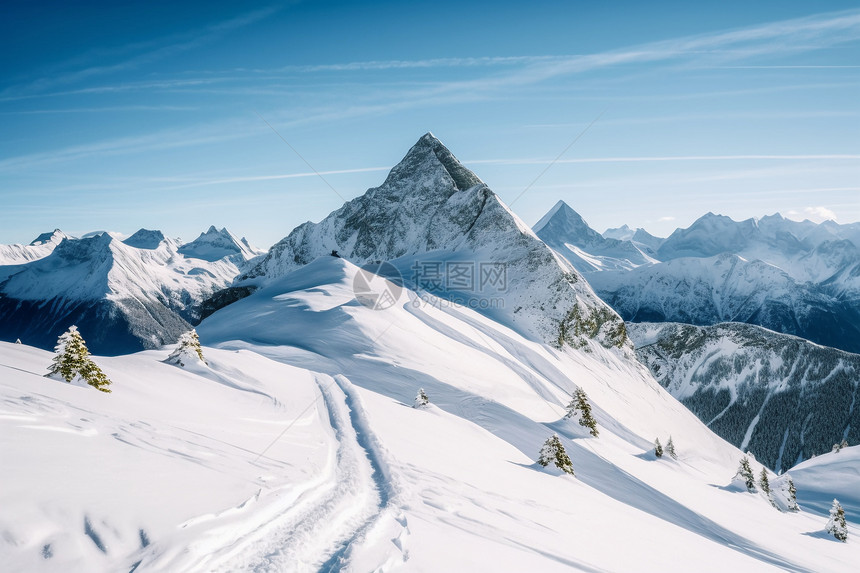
x=298, y=449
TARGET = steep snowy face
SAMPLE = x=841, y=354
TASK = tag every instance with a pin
x=40, y=247
x=217, y=244
x=566, y=231
x=433, y=212
x=122, y=297
x=705, y=291
x=781, y=397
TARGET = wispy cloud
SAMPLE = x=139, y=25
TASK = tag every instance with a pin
x=166, y=139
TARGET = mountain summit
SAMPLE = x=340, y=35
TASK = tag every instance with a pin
x=431, y=211
x=566, y=231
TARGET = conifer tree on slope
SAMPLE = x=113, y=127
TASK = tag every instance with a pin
x=670, y=448
x=658, y=449
x=579, y=403
x=553, y=452
x=764, y=483
x=836, y=525
x=792, y=494
x=187, y=349
x=421, y=399
x=72, y=360
x=746, y=474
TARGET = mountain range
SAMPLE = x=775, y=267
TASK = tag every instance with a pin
x=125, y=295
x=793, y=277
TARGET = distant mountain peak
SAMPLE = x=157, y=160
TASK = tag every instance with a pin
x=145, y=239
x=563, y=220
x=215, y=244
x=54, y=236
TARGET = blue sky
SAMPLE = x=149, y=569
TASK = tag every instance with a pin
x=119, y=116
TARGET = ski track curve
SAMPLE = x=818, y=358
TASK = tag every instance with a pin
x=326, y=526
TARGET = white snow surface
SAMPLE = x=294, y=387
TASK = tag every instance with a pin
x=297, y=449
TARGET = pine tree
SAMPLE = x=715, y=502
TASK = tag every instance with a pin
x=421, y=399
x=187, y=349
x=836, y=526
x=18, y=341
x=670, y=449
x=792, y=495
x=746, y=474
x=658, y=449
x=579, y=403
x=553, y=452
x=72, y=360
x=763, y=482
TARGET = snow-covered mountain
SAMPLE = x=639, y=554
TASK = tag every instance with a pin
x=308, y=455
x=728, y=288
x=781, y=397
x=566, y=231
x=433, y=216
x=793, y=277
x=217, y=244
x=123, y=295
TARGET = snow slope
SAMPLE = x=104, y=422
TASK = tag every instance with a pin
x=779, y=396
x=124, y=296
x=165, y=473
x=828, y=476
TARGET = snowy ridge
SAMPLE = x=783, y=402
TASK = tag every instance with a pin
x=756, y=388
x=40, y=247
x=432, y=210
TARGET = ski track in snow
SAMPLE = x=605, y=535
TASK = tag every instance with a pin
x=322, y=527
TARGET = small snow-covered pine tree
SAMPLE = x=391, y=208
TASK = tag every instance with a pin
x=763, y=482
x=836, y=526
x=579, y=403
x=187, y=349
x=18, y=341
x=746, y=474
x=670, y=448
x=792, y=495
x=72, y=360
x=421, y=399
x=658, y=449
x=553, y=452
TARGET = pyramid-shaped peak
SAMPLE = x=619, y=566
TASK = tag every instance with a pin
x=562, y=216
x=145, y=239
x=426, y=159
